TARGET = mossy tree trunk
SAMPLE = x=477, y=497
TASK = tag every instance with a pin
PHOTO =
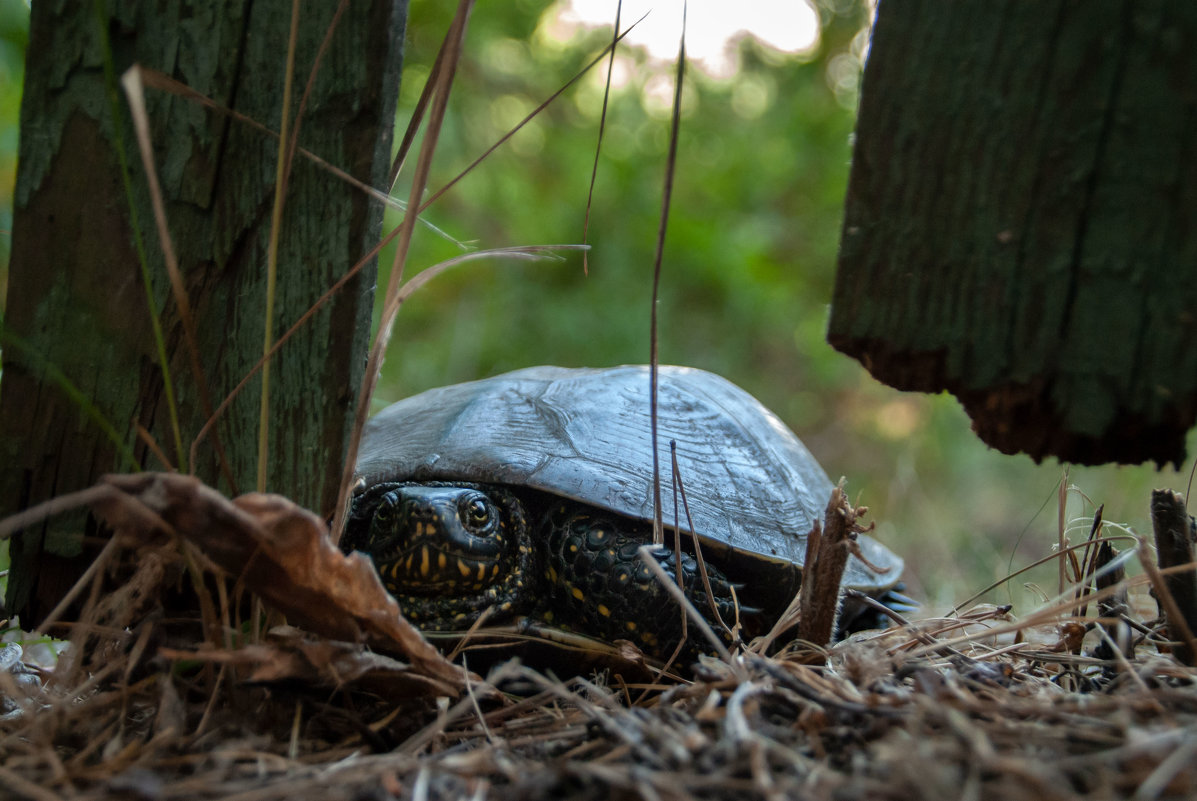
x=77, y=310
x=1021, y=221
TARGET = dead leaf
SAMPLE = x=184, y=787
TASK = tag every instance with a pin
x=281, y=552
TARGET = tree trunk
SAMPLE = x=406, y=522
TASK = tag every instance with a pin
x=1021, y=220
x=78, y=315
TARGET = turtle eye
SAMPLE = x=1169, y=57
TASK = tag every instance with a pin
x=384, y=513
x=478, y=513
x=384, y=519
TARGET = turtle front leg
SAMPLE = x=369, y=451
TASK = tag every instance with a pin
x=600, y=585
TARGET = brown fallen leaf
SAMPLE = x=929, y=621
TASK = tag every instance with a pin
x=281, y=552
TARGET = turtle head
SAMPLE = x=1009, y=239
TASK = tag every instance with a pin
x=430, y=540
x=447, y=552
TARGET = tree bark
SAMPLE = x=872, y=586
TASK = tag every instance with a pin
x=1021, y=220
x=77, y=311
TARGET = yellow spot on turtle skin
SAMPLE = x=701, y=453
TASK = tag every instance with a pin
x=551, y=575
x=600, y=534
x=463, y=568
x=394, y=571
x=441, y=561
x=481, y=573
x=494, y=570
x=548, y=616
x=505, y=606
x=407, y=564
x=573, y=547
x=604, y=611
x=577, y=593
x=630, y=626
x=424, y=562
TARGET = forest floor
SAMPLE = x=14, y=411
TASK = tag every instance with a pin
x=163, y=694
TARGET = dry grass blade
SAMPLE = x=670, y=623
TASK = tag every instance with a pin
x=1061, y=538
x=1087, y=564
x=99, y=564
x=118, y=136
x=444, y=82
x=966, y=603
x=215, y=416
x=132, y=83
x=666, y=197
x=680, y=493
x=532, y=252
x=523, y=253
x=157, y=80
x=417, y=118
x=1055, y=609
x=150, y=442
x=1109, y=572
x=276, y=226
x=435, y=196
x=598, y=146
x=287, y=147
x=293, y=144
x=692, y=614
x=438, y=87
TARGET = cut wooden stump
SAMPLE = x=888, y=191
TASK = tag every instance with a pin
x=1174, y=545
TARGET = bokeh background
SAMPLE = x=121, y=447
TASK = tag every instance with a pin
x=763, y=162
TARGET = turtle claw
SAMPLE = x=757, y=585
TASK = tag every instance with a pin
x=900, y=603
x=862, y=612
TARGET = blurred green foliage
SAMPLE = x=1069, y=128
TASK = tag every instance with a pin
x=14, y=36
x=752, y=232
x=749, y=264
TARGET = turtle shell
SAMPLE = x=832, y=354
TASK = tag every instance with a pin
x=752, y=487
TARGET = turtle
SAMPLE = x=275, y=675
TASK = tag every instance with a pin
x=527, y=496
